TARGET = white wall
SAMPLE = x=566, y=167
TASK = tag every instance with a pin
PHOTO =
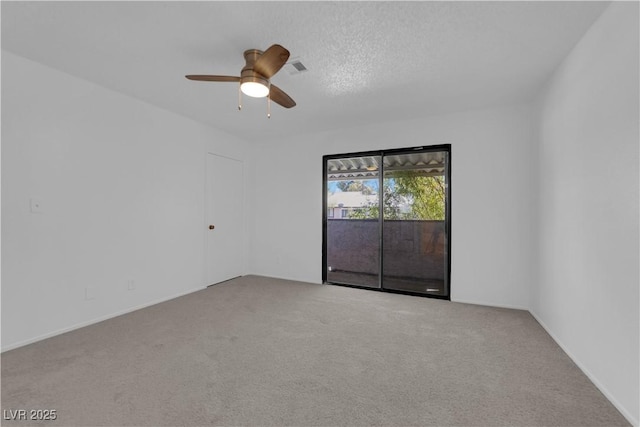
x=492, y=177
x=121, y=185
x=587, y=291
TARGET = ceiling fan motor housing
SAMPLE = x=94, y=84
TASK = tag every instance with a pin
x=248, y=74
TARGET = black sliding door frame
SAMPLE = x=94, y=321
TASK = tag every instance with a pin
x=382, y=153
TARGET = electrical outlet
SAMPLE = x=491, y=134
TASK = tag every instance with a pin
x=131, y=284
x=89, y=293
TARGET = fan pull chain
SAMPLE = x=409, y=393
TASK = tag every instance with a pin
x=269, y=106
x=239, y=98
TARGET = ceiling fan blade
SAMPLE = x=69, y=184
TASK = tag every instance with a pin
x=206, y=78
x=271, y=61
x=278, y=96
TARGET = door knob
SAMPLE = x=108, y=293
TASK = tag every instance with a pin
x=211, y=227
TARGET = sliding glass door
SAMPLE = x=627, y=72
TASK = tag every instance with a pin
x=414, y=223
x=387, y=220
x=352, y=221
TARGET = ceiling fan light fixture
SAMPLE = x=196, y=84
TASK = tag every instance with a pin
x=255, y=87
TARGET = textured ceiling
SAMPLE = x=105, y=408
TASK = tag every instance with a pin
x=367, y=61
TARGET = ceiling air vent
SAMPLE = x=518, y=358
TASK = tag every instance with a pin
x=295, y=66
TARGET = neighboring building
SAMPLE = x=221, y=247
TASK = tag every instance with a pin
x=341, y=203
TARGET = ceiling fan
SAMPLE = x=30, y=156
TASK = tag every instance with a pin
x=255, y=76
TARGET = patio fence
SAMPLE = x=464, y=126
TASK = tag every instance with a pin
x=412, y=249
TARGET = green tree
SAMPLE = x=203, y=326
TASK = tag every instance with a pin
x=357, y=185
x=408, y=195
x=425, y=193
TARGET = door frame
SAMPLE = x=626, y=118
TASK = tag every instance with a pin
x=207, y=219
x=382, y=153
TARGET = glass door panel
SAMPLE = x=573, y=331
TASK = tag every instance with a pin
x=414, y=225
x=352, y=221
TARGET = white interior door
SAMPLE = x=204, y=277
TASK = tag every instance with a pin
x=225, y=216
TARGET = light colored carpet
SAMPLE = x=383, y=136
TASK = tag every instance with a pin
x=260, y=351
